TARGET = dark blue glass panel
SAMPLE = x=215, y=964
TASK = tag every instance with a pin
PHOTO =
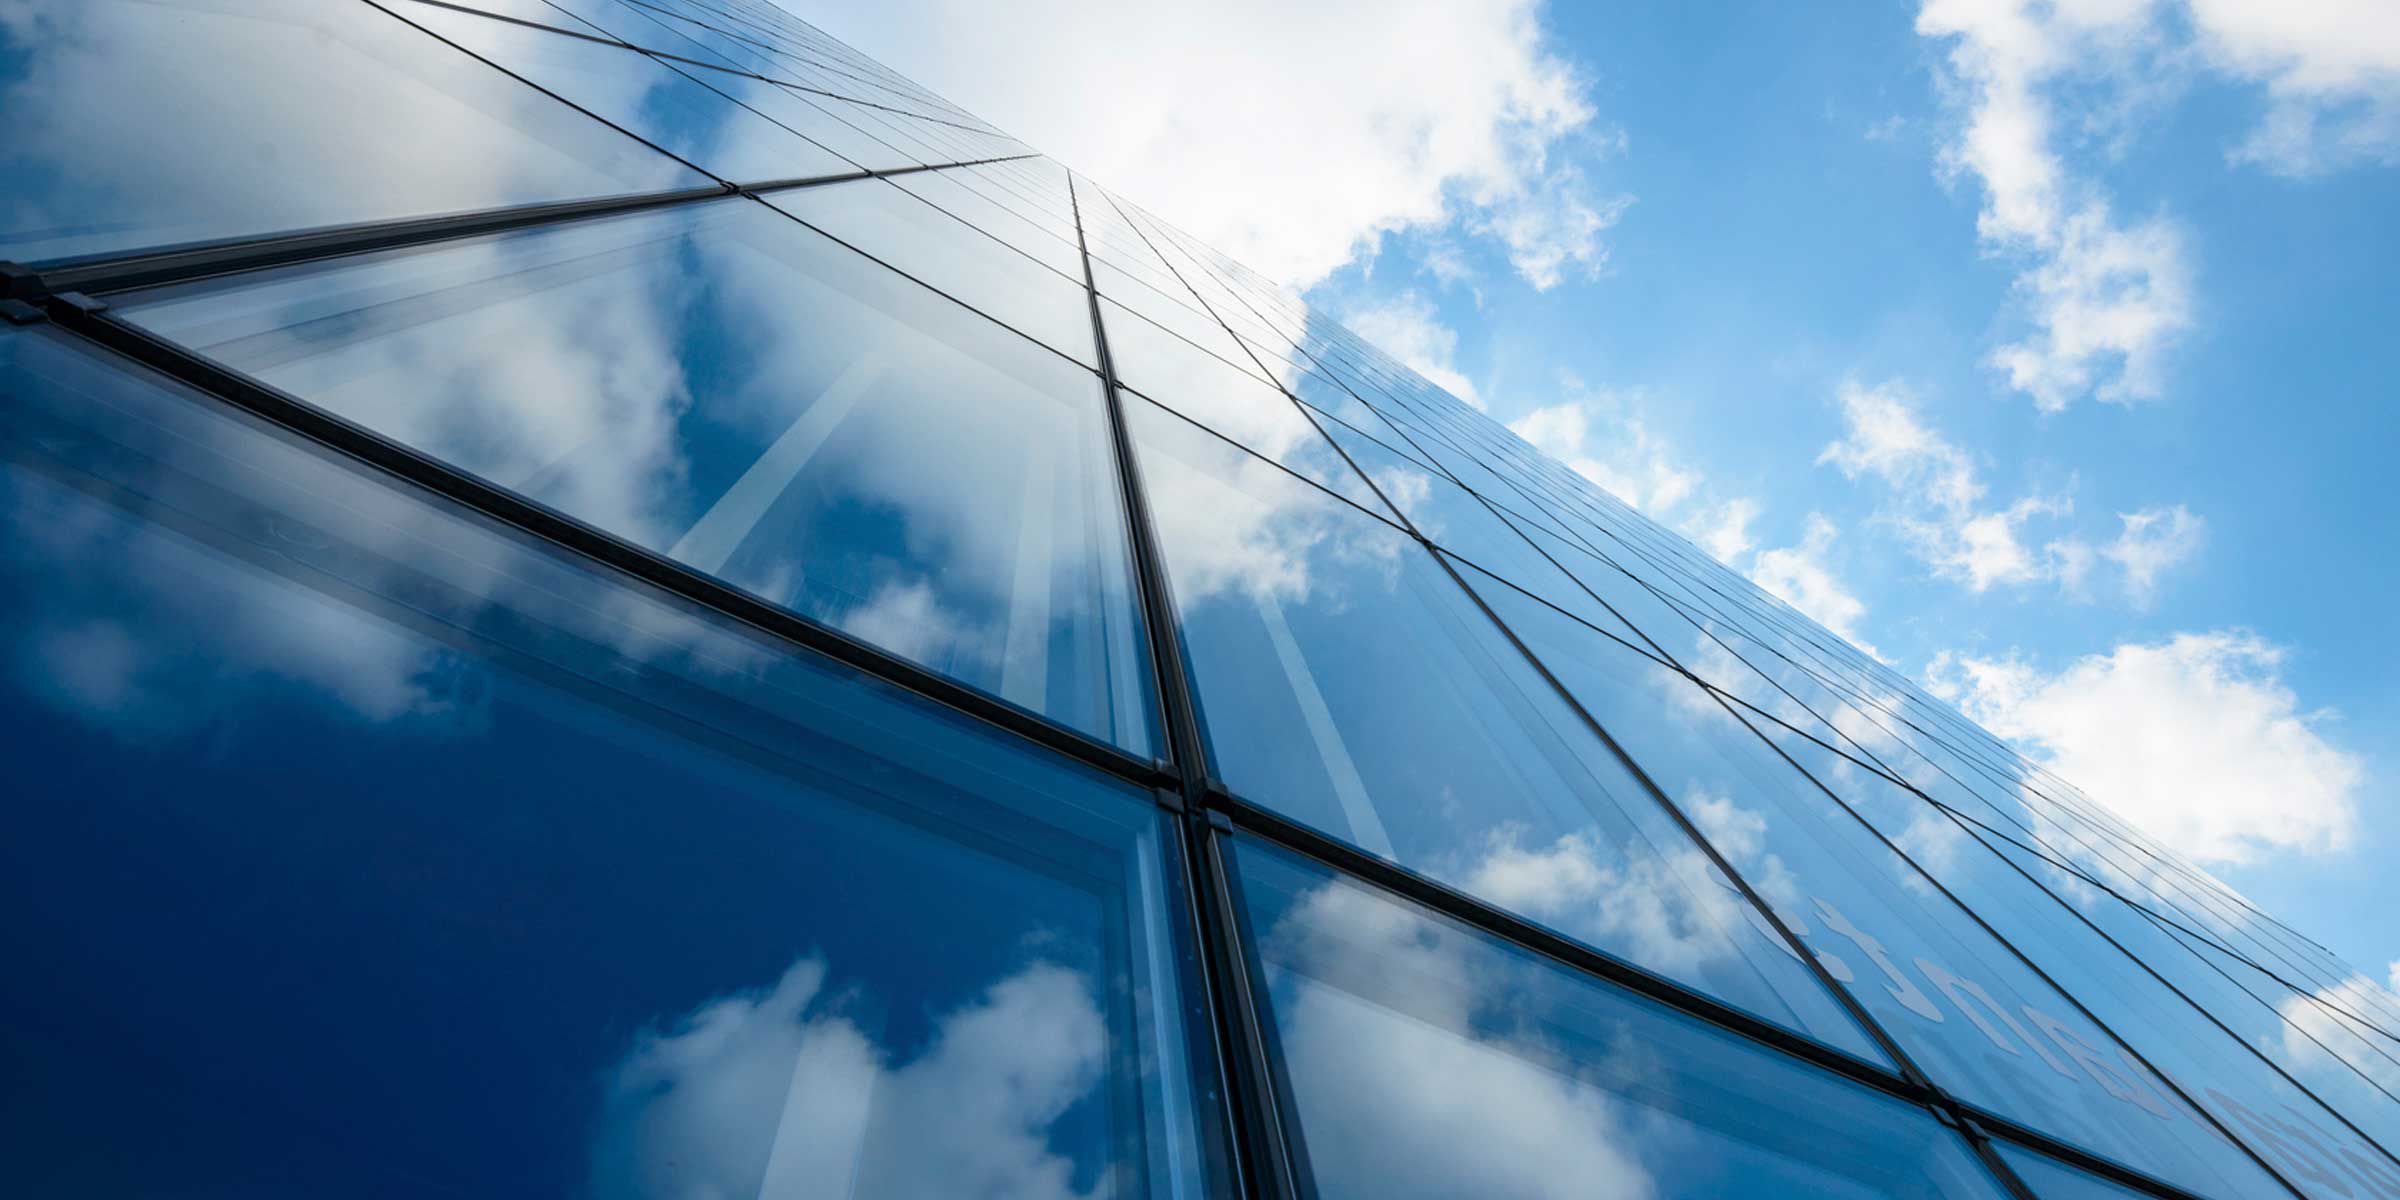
x=360, y=848
x=2054, y=1180
x=721, y=384
x=133, y=125
x=1425, y=1059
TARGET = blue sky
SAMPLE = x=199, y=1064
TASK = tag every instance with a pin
x=2047, y=349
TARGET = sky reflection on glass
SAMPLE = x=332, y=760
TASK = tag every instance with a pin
x=137, y=124
x=403, y=857
x=1427, y=1060
x=1453, y=758
x=724, y=386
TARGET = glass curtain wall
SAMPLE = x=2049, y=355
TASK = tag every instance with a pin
x=609, y=598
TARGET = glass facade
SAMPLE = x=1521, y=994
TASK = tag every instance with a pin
x=607, y=598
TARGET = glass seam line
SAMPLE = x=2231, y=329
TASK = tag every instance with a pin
x=1945, y=1106
x=1681, y=609
x=157, y=266
x=581, y=541
x=1971, y=828
x=883, y=669
x=1907, y=1067
x=1261, y=1158
x=2003, y=942
x=605, y=38
x=986, y=128
x=1693, y=831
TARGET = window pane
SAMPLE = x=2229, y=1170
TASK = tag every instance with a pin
x=1232, y=404
x=139, y=123
x=1970, y=1013
x=2293, y=1133
x=639, y=93
x=947, y=253
x=963, y=194
x=369, y=851
x=1428, y=1060
x=720, y=384
x=1346, y=682
x=2054, y=1180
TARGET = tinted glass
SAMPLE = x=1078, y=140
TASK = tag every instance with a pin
x=139, y=123
x=2054, y=1180
x=1965, y=1008
x=641, y=94
x=722, y=385
x=949, y=254
x=2020, y=897
x=362, y=850
x=1345, y=681
x=1427, y=1060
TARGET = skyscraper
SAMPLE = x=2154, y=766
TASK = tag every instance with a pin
x=606, y=598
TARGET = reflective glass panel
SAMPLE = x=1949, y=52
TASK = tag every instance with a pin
x=364, y=849
x=1345, y=681
x=1981, y=1023
x=2029, y=903
x=722, y=385
x=140, y=123
x=947, y=253
x=1231, y=404
x=1425, y=1059
x=636, y=92
x=2054, y=1180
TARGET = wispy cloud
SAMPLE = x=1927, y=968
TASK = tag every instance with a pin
x=2105, y=297
x=1407, y=328
x=1942, y=508
x=2197, y=739
x=1801, y=577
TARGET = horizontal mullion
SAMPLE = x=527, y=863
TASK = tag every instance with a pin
x=588, y=543
x=1267, y=825
x=155, y=267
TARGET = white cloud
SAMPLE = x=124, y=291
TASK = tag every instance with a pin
x=1942, y=509
x=1882, y=436
x=1647, y=908
x=1289, y=136
x=2106, y=298
x=1452, y=1091
x=2153, y=540
x=1799, y=576
x=2197, y=740
x=1724, y=529
x=1407, y=328
x=2313, y=1036
x=777, y=1093
x=2331, y=69
x=1628, y=460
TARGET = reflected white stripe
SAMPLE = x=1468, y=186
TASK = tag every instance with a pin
x=1365, y=827
x=721, y=529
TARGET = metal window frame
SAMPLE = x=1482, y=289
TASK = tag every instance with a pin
x=1268, y=1163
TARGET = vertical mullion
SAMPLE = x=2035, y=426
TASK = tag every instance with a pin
x=1945, y=1108
x=1261, y=1156
x=1908, y=1068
